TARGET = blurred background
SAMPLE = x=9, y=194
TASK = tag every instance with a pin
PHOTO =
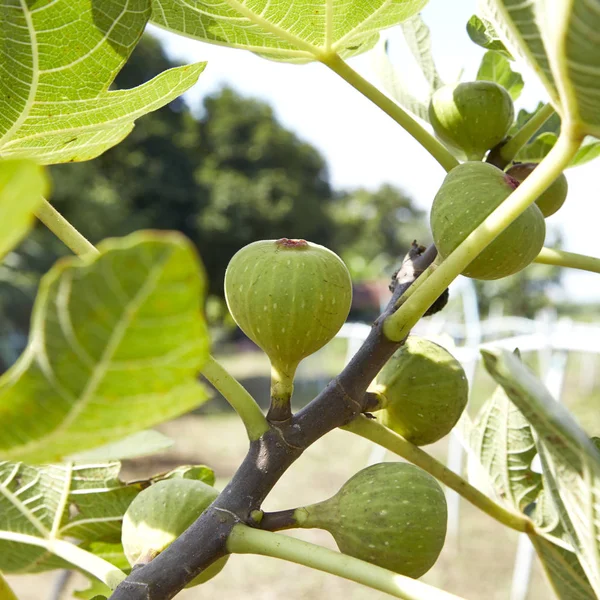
x=236, y=160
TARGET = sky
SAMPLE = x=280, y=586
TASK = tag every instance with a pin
x=363, y=146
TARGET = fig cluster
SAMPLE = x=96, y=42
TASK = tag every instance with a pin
x=422, y=391
x=393, y=515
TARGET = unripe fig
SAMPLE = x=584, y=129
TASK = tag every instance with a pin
x=290, y=297
x=469, y=193
x=390, y=514
x=471, y=117
x=550, y=200
x=161, y=513
x=422, y=391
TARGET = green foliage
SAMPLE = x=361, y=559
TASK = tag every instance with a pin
x=299, y=32
x=496, y=67
x=22, y=185
x=483, y=33
x=93, y=357
x=55, y=105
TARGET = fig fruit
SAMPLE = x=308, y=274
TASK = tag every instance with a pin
x=422, y=391
x=550, y=200
x=471, y=117
x=469, y=193
x=390, y=514
x=161, y=513
x=290, y=297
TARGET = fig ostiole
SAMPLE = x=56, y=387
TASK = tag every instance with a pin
x=390, y=514
x=290, y=297
x=468, y=195
x=161, y=513
x=471, y=118
x=553, y=197
x=422, y=391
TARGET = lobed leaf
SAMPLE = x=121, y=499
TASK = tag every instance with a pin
x=82, y=503
x=560, y=41
x=503, y=441
x=22, y=185
x=496, y=67
x=418, y=39
x=571, y=461
x=300, y=31
x=58, y=61
x=116, y=345
x=482, y=33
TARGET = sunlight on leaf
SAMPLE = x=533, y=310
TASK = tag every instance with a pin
x=495, y=67
x=571, y=461
x=22, y=185
x=483, y=34
x=55, y=105
x=116, y=345
x=299, y=31
x=83, y=503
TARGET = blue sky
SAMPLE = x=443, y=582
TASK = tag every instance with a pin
x=363, y=146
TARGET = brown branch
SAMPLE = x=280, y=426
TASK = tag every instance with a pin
x=269, y=457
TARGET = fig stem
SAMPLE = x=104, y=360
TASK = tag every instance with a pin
x=517, y=141
x=279, y=520
x=560, y=258
x=375, y=432
x=388, y=106
x=238, y=397
x=63, y=230
x=397, y=325
x=84, y=560
x=246, y=540
x=282, y=388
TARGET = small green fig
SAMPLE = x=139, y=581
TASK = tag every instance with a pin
x=290, y=297
x=469, y=193
x=471, y=117
x=422, y=391
x=550, y=200
x=161, y=513
x=390, y=514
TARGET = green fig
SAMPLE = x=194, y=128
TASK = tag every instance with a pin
x=550, y=200
x=471, y=117
x=422, y=391
x=390, y=514
x=290, y=297
x=469, y=193
x=161, y=513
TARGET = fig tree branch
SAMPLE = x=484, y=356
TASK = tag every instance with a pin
x=342, y=400
x=560, y=258
x=63, y=230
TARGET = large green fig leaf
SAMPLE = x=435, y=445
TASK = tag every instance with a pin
x=503, y=441
x=22, y=185
x=496, y=67
x=299, y=31
x=560, y=41
x=116, y=345
x=483, y=33
x=58, y=61
x=43, y=507
x=571, y=461
x=418, y=39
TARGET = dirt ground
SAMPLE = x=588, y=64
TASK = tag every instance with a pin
x=476, y=565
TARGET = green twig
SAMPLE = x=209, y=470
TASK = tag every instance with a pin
x=430, y=143
x=560, y=258
x=246, y=540
x=63, y=230
x=239, y=398
x=517, y=141
x=82, y=559
x=399, y=324
x=374, y=431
